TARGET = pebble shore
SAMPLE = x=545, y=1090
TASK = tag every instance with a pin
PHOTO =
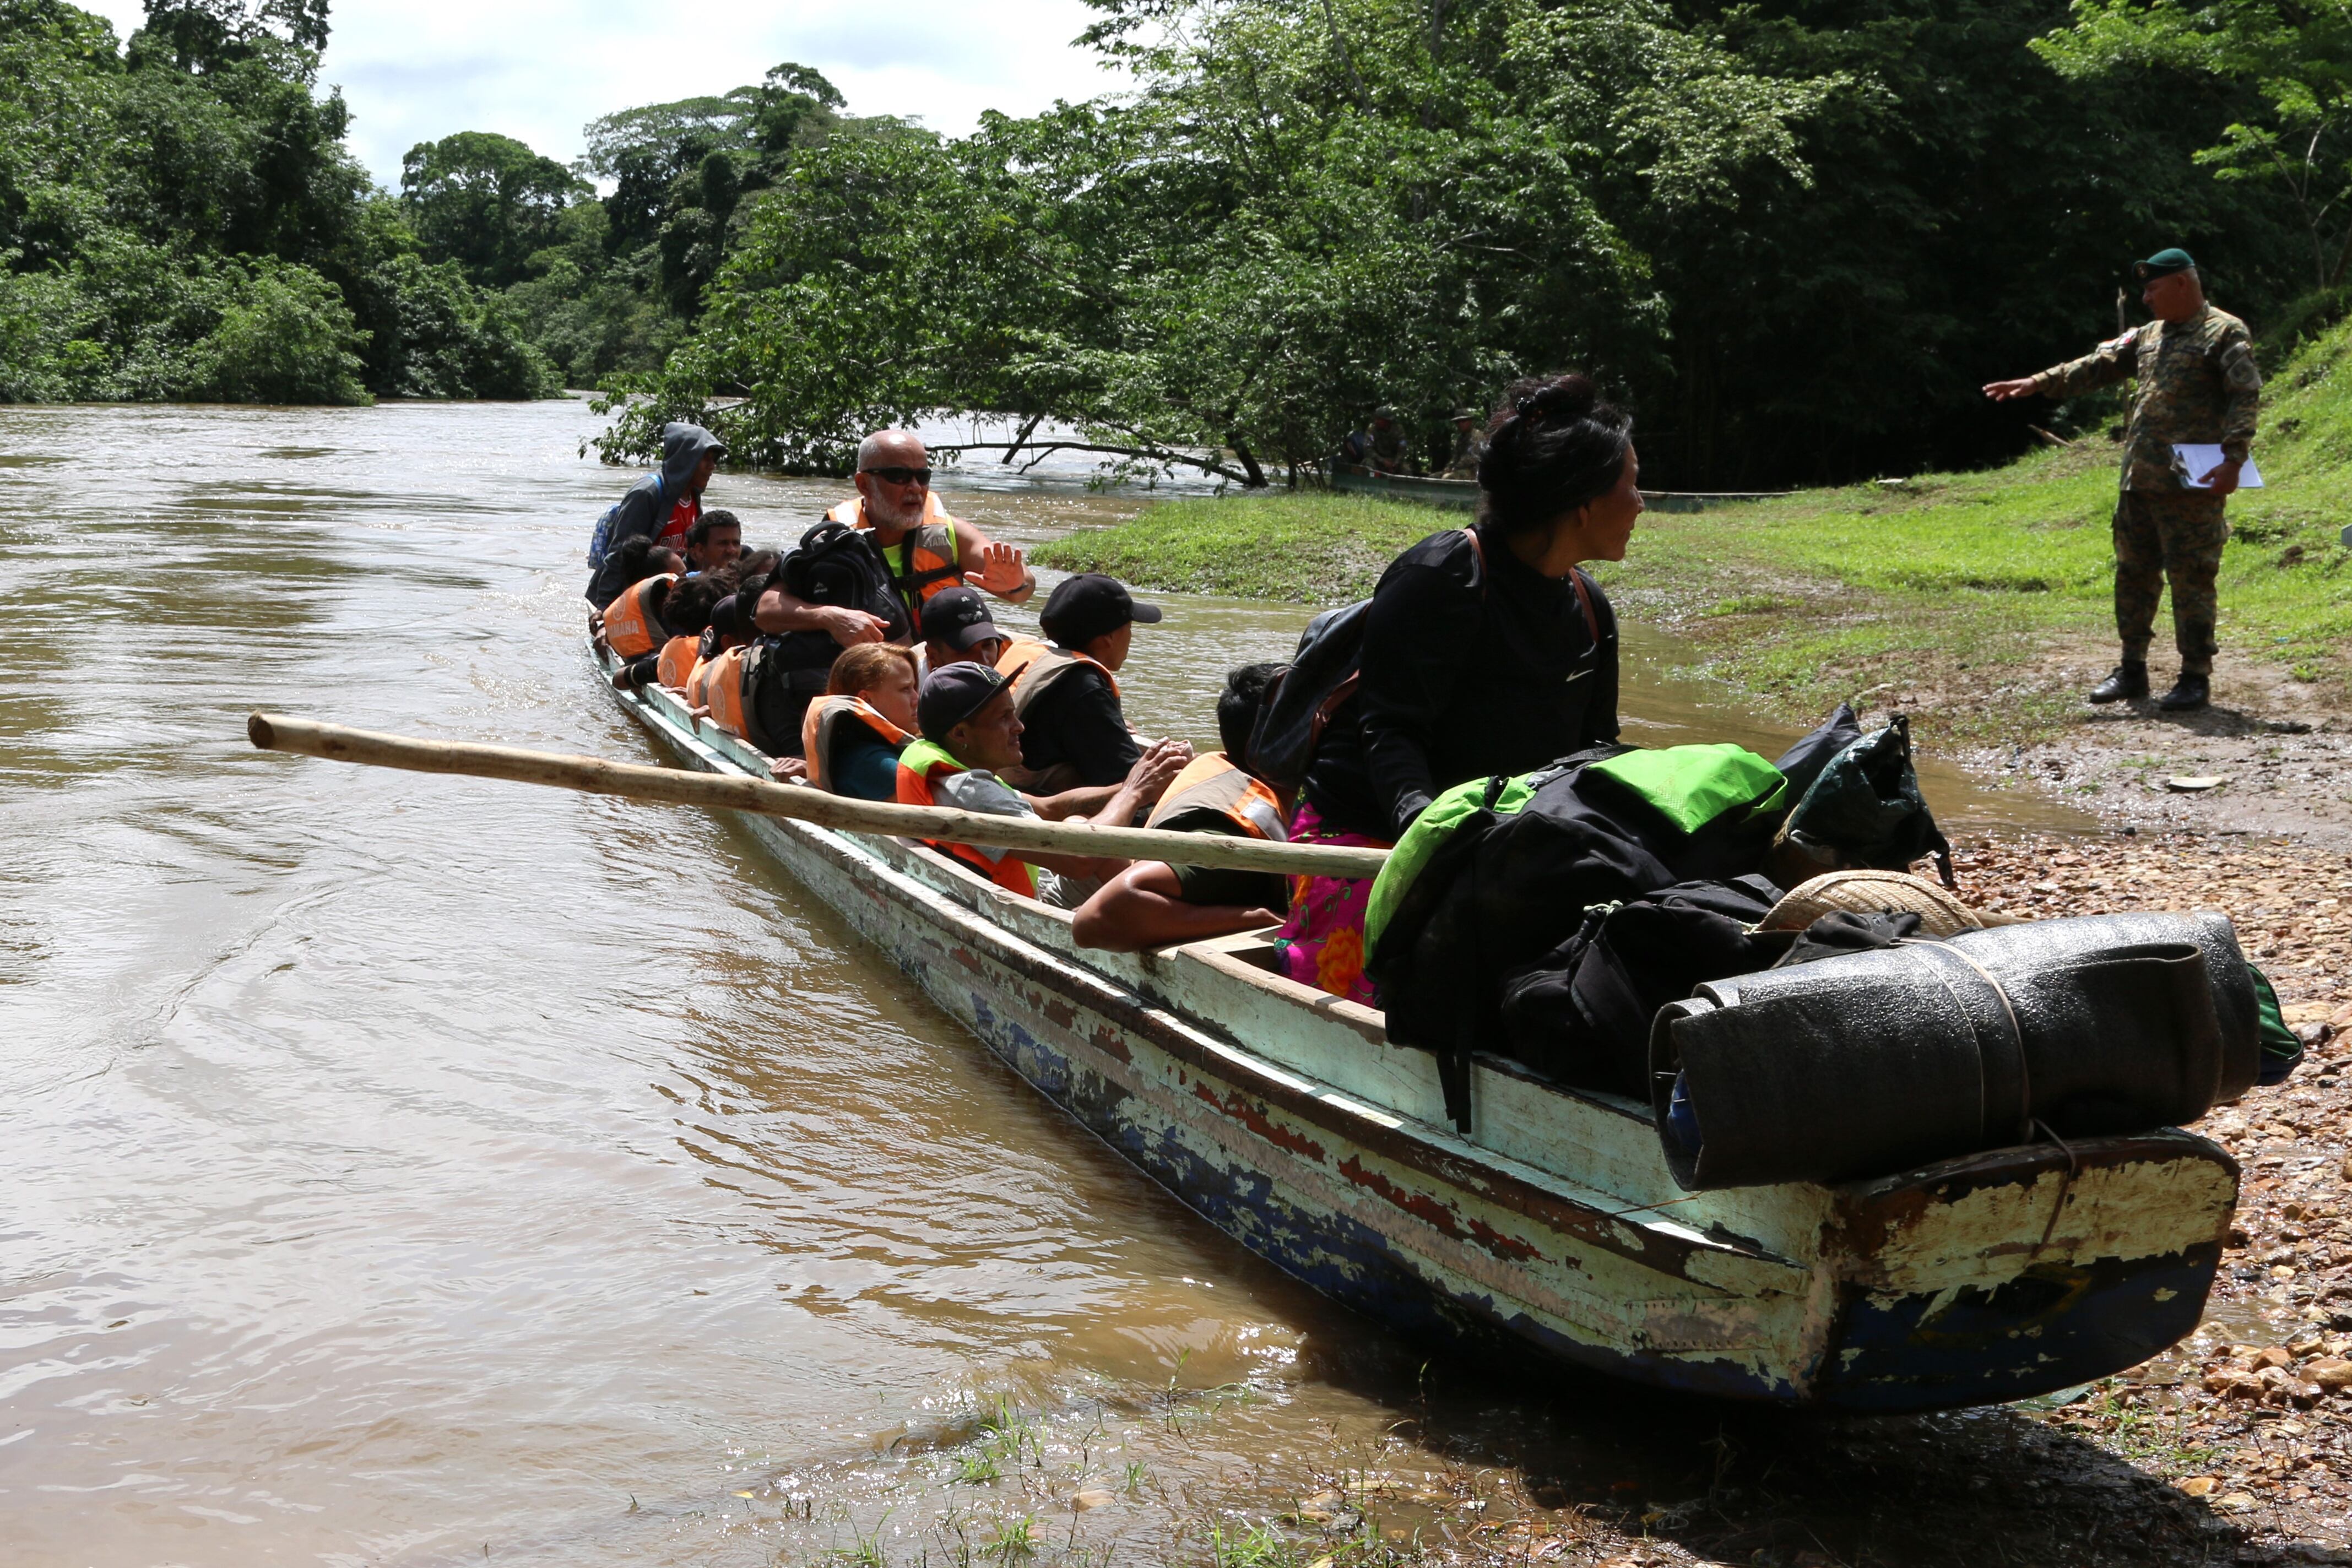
x=2252, y=1414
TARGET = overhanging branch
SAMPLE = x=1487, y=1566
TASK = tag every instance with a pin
x=1148, y=454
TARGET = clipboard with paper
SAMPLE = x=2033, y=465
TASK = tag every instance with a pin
x=2194, y=463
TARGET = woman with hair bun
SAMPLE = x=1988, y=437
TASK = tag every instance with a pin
x=1485, y=651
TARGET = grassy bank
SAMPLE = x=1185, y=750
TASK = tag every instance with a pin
x=1979, y=598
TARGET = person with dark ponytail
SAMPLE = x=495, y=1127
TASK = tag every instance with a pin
x=1485, y=650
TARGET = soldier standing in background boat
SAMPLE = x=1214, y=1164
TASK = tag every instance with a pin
x=2197, y=383
x=1469, y=445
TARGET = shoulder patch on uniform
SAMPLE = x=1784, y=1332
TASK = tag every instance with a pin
x=2237, y=368
x=2117, y=345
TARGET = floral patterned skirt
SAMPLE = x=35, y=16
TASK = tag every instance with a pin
x=1322, y=943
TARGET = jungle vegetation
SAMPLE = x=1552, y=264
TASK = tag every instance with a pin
x=1793, y=235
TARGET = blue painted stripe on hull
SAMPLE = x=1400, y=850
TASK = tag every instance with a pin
x=1893, y=1354
x=2053, y=1328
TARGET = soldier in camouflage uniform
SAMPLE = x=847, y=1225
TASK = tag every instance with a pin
x=2197, y=383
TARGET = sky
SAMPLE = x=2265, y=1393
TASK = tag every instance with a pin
x=538, y=70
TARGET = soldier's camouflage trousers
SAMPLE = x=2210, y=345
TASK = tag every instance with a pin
x=2164, y=536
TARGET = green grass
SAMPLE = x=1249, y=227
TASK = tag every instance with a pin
x=1953, y=589
x=1310, y=545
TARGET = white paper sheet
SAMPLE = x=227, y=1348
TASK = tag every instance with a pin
x=2195, y=464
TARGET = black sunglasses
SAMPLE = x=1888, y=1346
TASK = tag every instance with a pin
x=902, y=475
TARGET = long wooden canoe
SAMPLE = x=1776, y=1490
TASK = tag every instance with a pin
x=1286, y=1119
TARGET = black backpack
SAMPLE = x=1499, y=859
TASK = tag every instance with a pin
x=1309, y=691
x=837, y=565
x=833, y=564
x=782, y=676
x=1580, y=1014
x=1299, y=702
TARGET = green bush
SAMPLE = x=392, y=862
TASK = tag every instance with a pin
x=438, y=336
x=285, y=335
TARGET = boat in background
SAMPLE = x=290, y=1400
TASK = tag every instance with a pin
x=1286, y=1118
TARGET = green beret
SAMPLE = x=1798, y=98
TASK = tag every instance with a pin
x=2163, y=264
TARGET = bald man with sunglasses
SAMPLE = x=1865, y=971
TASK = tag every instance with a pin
x=924, y=548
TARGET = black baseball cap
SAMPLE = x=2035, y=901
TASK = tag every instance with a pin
x=733, y=616
x=1091, y=605
x=953, y=695
x=958, y=617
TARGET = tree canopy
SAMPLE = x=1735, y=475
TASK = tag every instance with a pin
x=179, y=218
x=486, y=202
x=1794, y=237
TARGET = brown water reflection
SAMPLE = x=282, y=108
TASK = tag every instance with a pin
x=401, y=1167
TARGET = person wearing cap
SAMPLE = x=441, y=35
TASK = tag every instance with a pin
x=1468, y=442
x=2198, y=384
x=970, y=734
x=663, y=507
x=1065, y=691
x=958, y=630
x=924, y=549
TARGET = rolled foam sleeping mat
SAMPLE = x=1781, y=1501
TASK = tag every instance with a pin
x=1879, y=1062
x=2006, y=949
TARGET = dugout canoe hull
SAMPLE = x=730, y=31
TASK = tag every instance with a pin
x=1286, y=1118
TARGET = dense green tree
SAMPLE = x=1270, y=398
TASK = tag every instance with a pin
x=486, y=202
x=2294, y=132
x=1308, y=209
x=180, y=219
x=1794, y=234
x=680, y=170
x=1970, y=217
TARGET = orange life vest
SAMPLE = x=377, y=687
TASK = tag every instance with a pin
x=633, y=626
x=717, y=684
x=1210, y=783
x=822, y=729
x=917, y=786
x=929, y=563
x=1032, y=667
x=678, y=657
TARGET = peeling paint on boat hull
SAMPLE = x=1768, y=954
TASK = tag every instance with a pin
x=1949, y=1286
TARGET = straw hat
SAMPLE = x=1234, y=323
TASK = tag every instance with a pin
x=1872, y=892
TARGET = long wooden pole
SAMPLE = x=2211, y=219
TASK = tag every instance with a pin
x=676, y=786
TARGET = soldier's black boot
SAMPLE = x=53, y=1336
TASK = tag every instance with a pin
x=2191, y=691
x=2129, y=681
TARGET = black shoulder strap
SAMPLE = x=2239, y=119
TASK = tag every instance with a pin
x=1575, y=580
x=1584, y=602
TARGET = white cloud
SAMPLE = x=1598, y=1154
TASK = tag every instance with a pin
x=538, y=70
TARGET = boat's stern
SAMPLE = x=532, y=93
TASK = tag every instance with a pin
x=2015, y=1272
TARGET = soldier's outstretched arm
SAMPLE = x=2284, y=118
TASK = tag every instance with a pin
x=2112, y=361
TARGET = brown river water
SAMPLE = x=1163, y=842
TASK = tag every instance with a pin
x=407, y=1170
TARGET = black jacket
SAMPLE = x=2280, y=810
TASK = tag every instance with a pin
x=1079, y=721
x=1469, y=671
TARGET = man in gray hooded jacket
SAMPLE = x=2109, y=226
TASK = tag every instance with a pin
x=660, y=505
